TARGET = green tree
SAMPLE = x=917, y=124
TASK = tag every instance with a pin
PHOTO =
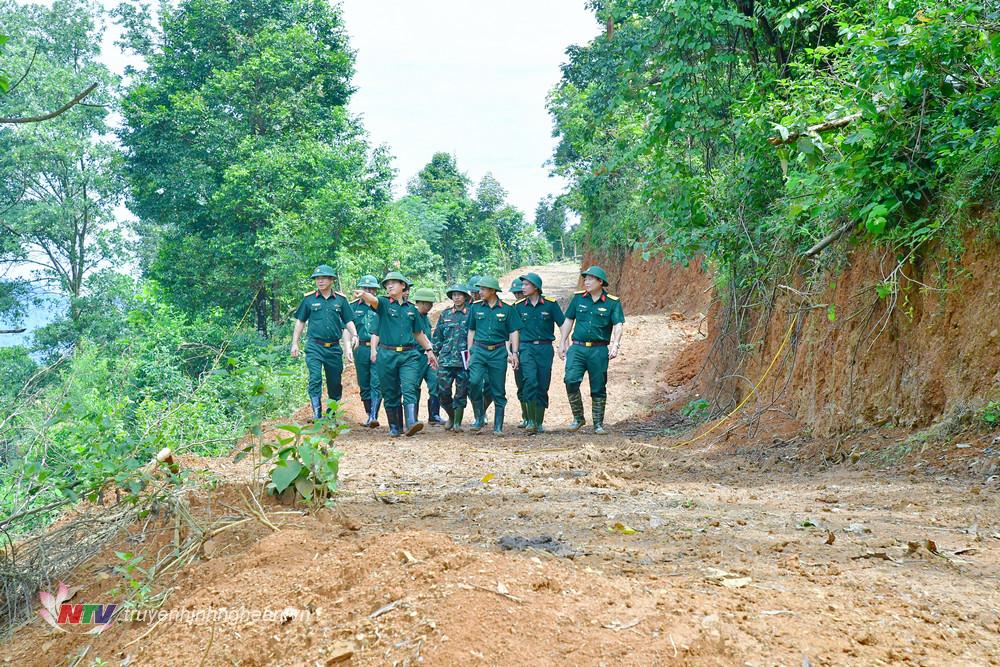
x=445, y=192
x=244, y=165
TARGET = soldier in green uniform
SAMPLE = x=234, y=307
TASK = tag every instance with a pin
x=451, y=340
x=518, y=292
x=474, y=297
x=366, y=323
x=398, y=358
x=594, y=318
x=541, y=316
x=494, y=328
x=330, y=317
x=424, y=298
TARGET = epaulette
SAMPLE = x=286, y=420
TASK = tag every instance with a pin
x=355, y=302
x=583, y=291
x=613, y=297
x=341, y=294
x=521, y=300
x=478, y=301
x=551, y=298
x=309, y=293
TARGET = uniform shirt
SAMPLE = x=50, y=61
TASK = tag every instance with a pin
x=365, y=319
x=451, y=336
x=425, y=324
x=327, y=316
x=594, y=320
x=539, y=321
x=493, y=324
x=397, y=322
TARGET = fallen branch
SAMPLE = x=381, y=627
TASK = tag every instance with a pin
x=830, y=238
x=819, y=128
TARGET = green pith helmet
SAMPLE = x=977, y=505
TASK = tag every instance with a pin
x=324, y=271
x=395, y=275
x=488, y=281
x=464, y=289
x=368, y=281
x=516, y=287
x=534, y=279
x=473, y=283
x=423, y=294
x=598, y=273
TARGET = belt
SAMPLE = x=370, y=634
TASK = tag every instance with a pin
x=488, y=346
x=592, y=343
x=398, y=348
x=536, y=342
x=365, y=343
x=325, y=343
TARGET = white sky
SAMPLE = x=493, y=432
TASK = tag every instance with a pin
x=464, y=76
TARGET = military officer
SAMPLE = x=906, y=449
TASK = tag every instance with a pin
x=594, y=318
x=541, y=317
x=424, y=299
x=330, y=317
x=494, y=328
x=518, y=292
x=451, y=345
x=366, y=322
x=474, y=297
x=398, y=359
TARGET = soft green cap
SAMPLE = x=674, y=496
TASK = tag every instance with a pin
x=368, y=281
x=324, y=271
x=598, y=273
x=423, y=294
x=534, y=279
x=395, y=275
x=488, y=281
x=464, y=289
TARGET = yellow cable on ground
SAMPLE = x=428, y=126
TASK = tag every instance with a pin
x=784, y=342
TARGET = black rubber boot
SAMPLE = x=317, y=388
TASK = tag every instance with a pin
x=412, y=425
x=317, y=406
x=434, y=408
x=395, y=416
x=373, y=413
x=497, y=420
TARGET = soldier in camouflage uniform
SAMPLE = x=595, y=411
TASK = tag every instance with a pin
x=366, y=322
x=450, y=341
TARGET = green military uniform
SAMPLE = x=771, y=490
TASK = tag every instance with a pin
x=517, y=290
x=366, y=322
x=398, y=360
x=327, y=317
x=488, y=358
x=594, y=321
x=539, y=323
x=427, y=374
x=450, y=343
x=474, y=296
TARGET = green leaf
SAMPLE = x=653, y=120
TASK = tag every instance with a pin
x=284, y=474
x=831, y=312
x=305, y=487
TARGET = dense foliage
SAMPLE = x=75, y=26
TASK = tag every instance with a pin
x=749, y=131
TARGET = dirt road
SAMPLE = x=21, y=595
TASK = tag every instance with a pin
x=641, y=556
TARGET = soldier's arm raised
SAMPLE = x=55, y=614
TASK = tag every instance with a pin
x=370, y=299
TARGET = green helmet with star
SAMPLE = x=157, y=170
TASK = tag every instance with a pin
x=368, y=281
x=598, y=273
x=324, y=271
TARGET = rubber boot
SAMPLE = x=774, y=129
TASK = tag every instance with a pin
x=487, y=400
x=434, y=408
x=367, y=402
x=524, y=416
x=576, y=404
x=416, y=409
x=395, y=416
x=317, y=406
x=532, y=427
x=497, y=420
x=450, y=411
x=373, y=414
x=412, y=425
x=480, y=417
x=597, y=409
x=539, y=417
x=456, y=424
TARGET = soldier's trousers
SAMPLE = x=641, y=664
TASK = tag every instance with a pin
x=330, y=360
x=367, y=375
x=590, y=360
x=536, y=372
x=488, y=368
x=398, y=376
x=448, y=375
x=428, y=375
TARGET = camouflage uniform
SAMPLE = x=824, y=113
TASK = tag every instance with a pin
x=450, y=340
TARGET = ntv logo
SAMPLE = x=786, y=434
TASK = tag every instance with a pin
x=56, y=611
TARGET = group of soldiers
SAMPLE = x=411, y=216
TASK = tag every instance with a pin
x=464, y=358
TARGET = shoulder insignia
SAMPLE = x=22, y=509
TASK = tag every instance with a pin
x=309, y=293
x=613, y=297
x=551, y=298
x=521, y=300
x=341, y=294
x=583, y=291
x=355, y=302
x=478, y=301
